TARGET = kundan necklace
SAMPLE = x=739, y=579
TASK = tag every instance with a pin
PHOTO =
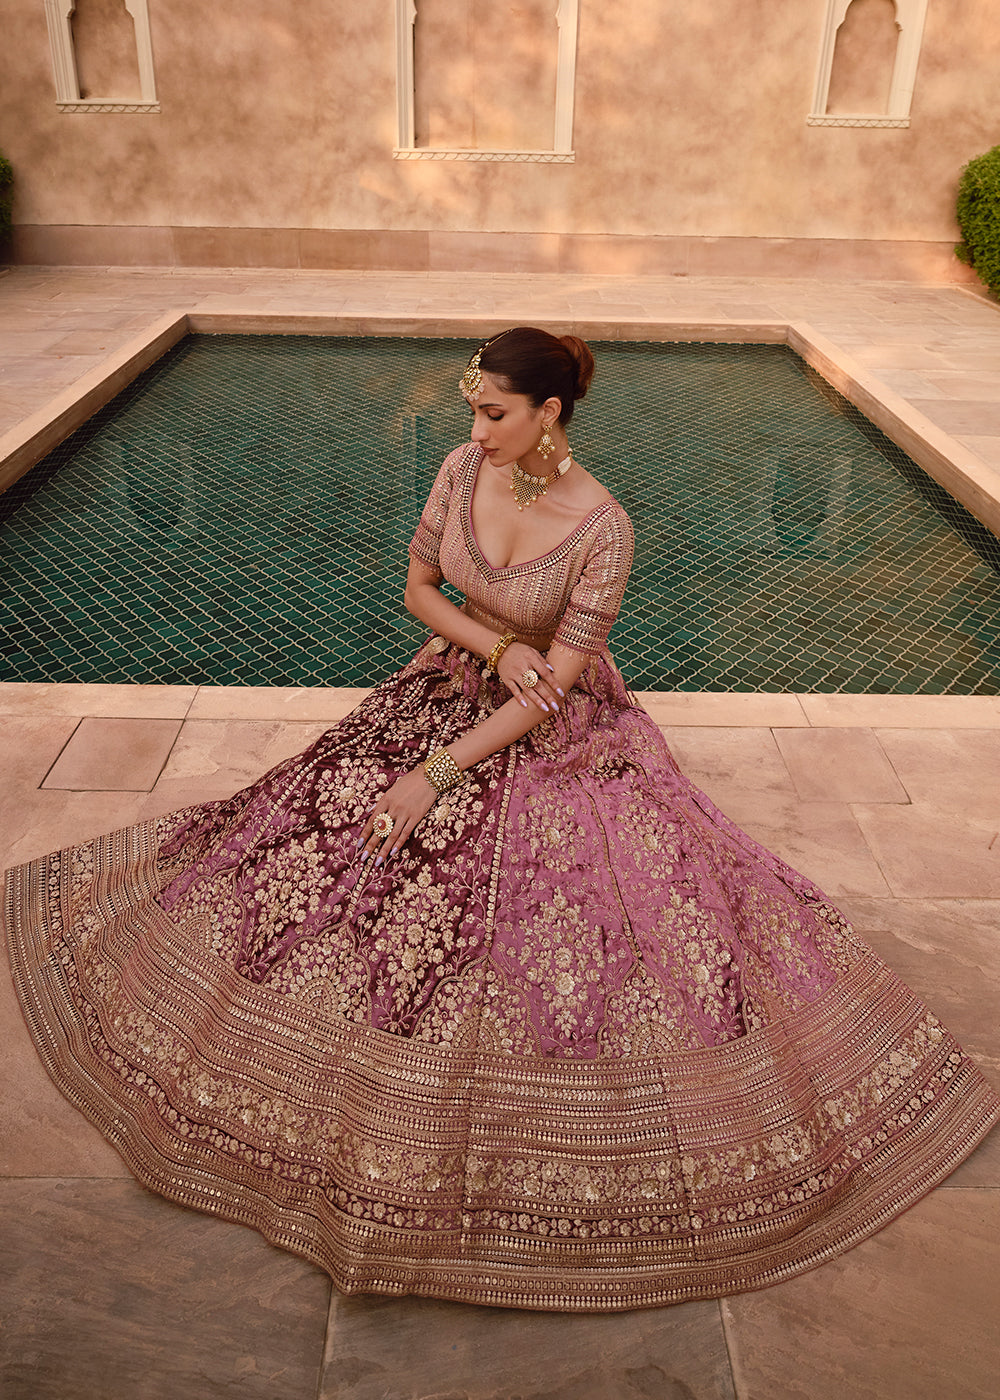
x=528, y=488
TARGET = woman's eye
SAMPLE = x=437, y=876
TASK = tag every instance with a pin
x=494, y=417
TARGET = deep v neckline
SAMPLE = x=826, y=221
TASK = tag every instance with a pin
x=475, y=549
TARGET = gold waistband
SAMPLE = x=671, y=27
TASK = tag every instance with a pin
x=540, y=640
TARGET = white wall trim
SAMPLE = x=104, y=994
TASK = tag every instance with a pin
x=567, y=23
x=464, y=153
x=59, y=18
x=834, y=120
x=910, y=16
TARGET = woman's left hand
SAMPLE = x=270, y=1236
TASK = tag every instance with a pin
x=409, y=800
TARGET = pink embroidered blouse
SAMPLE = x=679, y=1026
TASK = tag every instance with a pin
x=570, y=595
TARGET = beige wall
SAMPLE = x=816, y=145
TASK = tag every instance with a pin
x=690, y=124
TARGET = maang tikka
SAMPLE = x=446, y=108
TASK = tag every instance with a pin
x=471, y=382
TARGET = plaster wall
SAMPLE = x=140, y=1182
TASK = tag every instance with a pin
x=690, y=123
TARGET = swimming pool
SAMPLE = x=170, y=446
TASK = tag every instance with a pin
x=240, y=515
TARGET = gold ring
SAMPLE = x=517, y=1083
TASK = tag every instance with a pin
x=384, y=825
x=530, y=679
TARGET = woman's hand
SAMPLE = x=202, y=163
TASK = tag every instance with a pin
x=515, y=663
x=409, y=800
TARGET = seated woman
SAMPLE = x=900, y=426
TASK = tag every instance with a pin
x=479, y=998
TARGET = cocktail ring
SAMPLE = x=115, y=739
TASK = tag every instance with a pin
x=530, y=679
x=384, y=825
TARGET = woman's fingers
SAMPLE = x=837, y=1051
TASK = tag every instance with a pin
x=395, y=815
x=529, y=678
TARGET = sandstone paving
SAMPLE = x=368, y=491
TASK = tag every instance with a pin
x=925, y=851
x=950, y=770
x=907, y=1315
x=844, y=765
x=110, y=1292
x=896, y=1312
x=412, y=1347
x=114, y=754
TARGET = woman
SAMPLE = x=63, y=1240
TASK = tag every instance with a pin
x=479, y=998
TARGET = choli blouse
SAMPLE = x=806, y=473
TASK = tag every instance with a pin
x=570, y=595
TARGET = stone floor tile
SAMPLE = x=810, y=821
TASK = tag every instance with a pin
x=953, y=770
x=963, y=384
x=924, y=852
x=722, y=708
x=109, y=1292
x=838, y=765
x=909, y=711
x=84, y=342
x=821, y=840
x=215, y=758
x=729, y=757
x=908, y=1315
x=41, y=1133
x=49, y=819
x=980, y=417
x=26, y=342
x=114, y=755
x=309, y=703
x=121, y=701
x=411, y=1348
x=28, y=748
x=948, y=951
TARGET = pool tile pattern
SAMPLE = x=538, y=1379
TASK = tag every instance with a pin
x=240, y=514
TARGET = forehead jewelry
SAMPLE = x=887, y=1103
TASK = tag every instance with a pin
x=471, y=382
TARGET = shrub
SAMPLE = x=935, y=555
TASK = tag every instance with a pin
x=979, y=217
x=6, y=200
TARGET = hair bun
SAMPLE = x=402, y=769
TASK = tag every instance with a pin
x=584, y=361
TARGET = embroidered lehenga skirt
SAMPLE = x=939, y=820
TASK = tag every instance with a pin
x=582, y=1045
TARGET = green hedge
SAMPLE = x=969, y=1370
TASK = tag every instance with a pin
x=979, y=217
x=6, y=200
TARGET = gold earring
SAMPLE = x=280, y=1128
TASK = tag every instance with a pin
x=546, y=446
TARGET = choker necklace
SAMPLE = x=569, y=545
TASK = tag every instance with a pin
x=528, y=488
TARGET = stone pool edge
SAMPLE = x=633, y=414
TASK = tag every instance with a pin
x=956, y=468
x=328, y=704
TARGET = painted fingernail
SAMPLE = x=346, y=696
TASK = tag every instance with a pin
x=379, y=860
x=361, y=842
x=561, y=692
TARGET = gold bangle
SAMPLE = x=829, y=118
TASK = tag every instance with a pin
x=501, y=646
x=442, y=772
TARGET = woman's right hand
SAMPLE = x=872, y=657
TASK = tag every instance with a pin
x=515, y=664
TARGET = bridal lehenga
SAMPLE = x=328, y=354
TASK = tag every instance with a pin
x=582, y=1045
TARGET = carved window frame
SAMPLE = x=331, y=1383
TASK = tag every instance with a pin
x=910, y=15
x=59, y=18
x=561, y=152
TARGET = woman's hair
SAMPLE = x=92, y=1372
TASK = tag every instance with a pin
x=540, y=366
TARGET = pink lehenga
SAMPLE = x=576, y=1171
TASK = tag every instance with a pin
x=583, y=1045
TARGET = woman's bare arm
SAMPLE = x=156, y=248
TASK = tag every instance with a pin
x=424, y=599
x=411, y=797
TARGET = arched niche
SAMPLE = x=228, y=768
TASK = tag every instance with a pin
x=59, y=18
x=414, y=145
x=909, y=21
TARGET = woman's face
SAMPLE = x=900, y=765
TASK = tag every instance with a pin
x=505, y=425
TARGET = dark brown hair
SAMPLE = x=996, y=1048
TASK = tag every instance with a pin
x=541, y=366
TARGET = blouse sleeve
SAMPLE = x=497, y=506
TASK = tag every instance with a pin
x=597, y=595
x=426, y=542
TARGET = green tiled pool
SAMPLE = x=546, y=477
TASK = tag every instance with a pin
x=240, y=515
